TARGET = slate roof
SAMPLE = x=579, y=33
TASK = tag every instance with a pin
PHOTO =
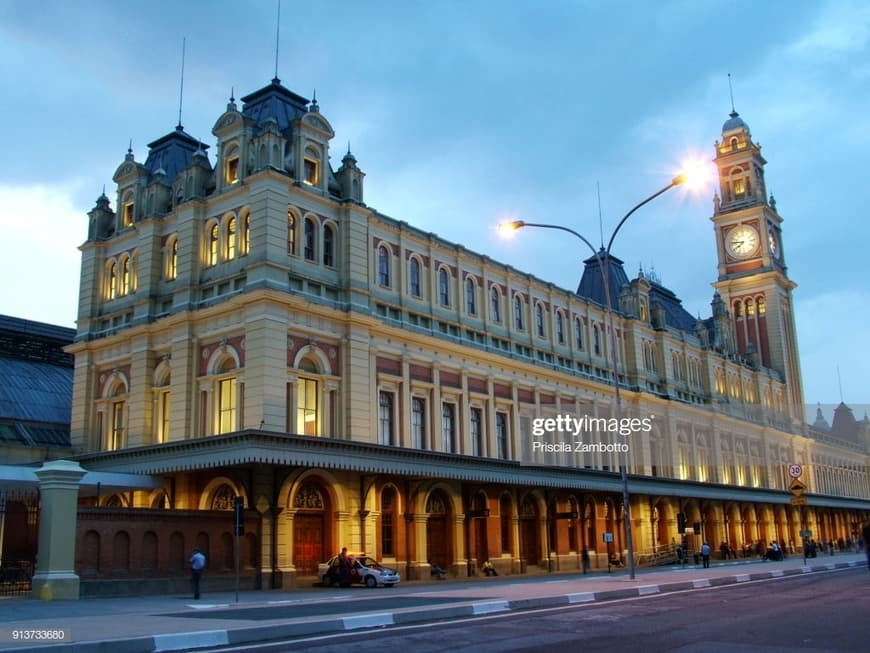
x=675, y=315
x=36, y=392
x=274, y=101
x=592, y=282
x=172, y=153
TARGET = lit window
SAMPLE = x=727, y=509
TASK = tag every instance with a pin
x=443, y=288
x=291, y=233
x=383, y=267
x=418, y=423
x=310, y=172
x=750, y=307
x=164, y=405
x=306, y=407
x=328, y=246
x=172, y=259
x=213, y=239
x=414, y=278
x=117, y=432
x=227, y=405
x=232, y=170
x=739, y=188
x=125, y=277
x=231, y=239
x=246, y=234
x=734, y=143
x=128, y=214
x=111, y=280
x=470, y=303
x=385, y=419
x=309, y=240
x=761, y=306
x=495, y=301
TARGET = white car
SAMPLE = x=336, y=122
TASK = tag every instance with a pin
x=363, y=571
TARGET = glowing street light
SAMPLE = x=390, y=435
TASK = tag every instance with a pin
x=692, y=175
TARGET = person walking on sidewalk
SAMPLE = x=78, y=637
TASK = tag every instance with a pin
x=705, y=554
x=197, y=564
x=866, y=535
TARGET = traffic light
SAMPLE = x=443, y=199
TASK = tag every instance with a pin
x=681, y=522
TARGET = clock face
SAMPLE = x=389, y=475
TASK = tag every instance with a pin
x=773, y=244
x=741, y=241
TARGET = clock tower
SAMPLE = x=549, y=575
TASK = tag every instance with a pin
x=752, y=278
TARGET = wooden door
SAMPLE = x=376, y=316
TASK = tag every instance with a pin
x=529, y=548
x=308, y=544
x=436, y=541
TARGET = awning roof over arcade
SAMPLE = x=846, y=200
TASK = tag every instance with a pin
x=254, y=447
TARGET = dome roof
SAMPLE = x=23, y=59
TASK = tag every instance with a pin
x=734, y=122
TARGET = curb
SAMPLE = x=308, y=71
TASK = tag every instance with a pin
x=187, y=641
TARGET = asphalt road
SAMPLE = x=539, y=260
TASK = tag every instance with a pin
x=810, y=614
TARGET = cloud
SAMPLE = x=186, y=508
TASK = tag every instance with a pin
x=40, y=264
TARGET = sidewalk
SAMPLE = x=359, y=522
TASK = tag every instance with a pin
x=177, y=623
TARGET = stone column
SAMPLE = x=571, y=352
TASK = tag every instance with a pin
x=55, y=576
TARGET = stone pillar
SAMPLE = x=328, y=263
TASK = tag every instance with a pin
x=55, y=576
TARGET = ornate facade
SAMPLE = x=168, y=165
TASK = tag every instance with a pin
x=249, y=327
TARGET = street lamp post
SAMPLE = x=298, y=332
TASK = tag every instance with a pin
x=603, y=257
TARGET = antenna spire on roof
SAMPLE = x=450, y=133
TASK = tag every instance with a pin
x=600, y=219
x=181, y=89
x=130, y=147
x=348, y=146
x=731, y=93
x=840, y=383
x=277, y=41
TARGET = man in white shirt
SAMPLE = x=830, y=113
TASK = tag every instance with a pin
x=197, y=564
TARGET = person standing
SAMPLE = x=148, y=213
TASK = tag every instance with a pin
x=866, y=536
x=343, y=569
x=197, y=564
x=585, y=559
x=705, y=554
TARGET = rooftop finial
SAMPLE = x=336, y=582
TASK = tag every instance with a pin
x=104, y=190
x=232, y=93
x=348, y=146
x=181, y=88
x=129, y=155
x=277, y=40
x=731, y=93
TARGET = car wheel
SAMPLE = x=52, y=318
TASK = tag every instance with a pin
x=371, y=581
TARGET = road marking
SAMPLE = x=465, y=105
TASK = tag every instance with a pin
x=188, y=641
x=206, y=606
x=581, y=597
x=646, y=590
x=777, y=573
x=368, y=620
x=742, y=578
x=701, y=582
x=489, y=606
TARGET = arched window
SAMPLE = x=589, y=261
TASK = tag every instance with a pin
x=495, y=304
x=171, y=267
x=125, y=276
x=560, y=328
x=111, y=280
x=383, y=266
x=246, y=234
x=476, y=428
x=230, y=245
x=388, y=522
x=596, y=340
x=761, y=306
x=213, y=239
x=518, y=312
x=291, y=233
x=578, y=332
x=414, y=278
x=227, y=396
x=328, y=246
x=443, y=287
x=539, y=319
x=470, y=303
x=309, y=240
x=308, y=418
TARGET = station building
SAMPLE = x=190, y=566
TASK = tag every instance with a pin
x=249, y=327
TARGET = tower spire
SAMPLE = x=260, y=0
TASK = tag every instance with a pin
x=277, y=41
x=181, y=88
x=731, y=93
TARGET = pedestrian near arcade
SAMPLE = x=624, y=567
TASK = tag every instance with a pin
x=343, y=568
x=197, y=564
x=866, y=535
x=705, y=554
